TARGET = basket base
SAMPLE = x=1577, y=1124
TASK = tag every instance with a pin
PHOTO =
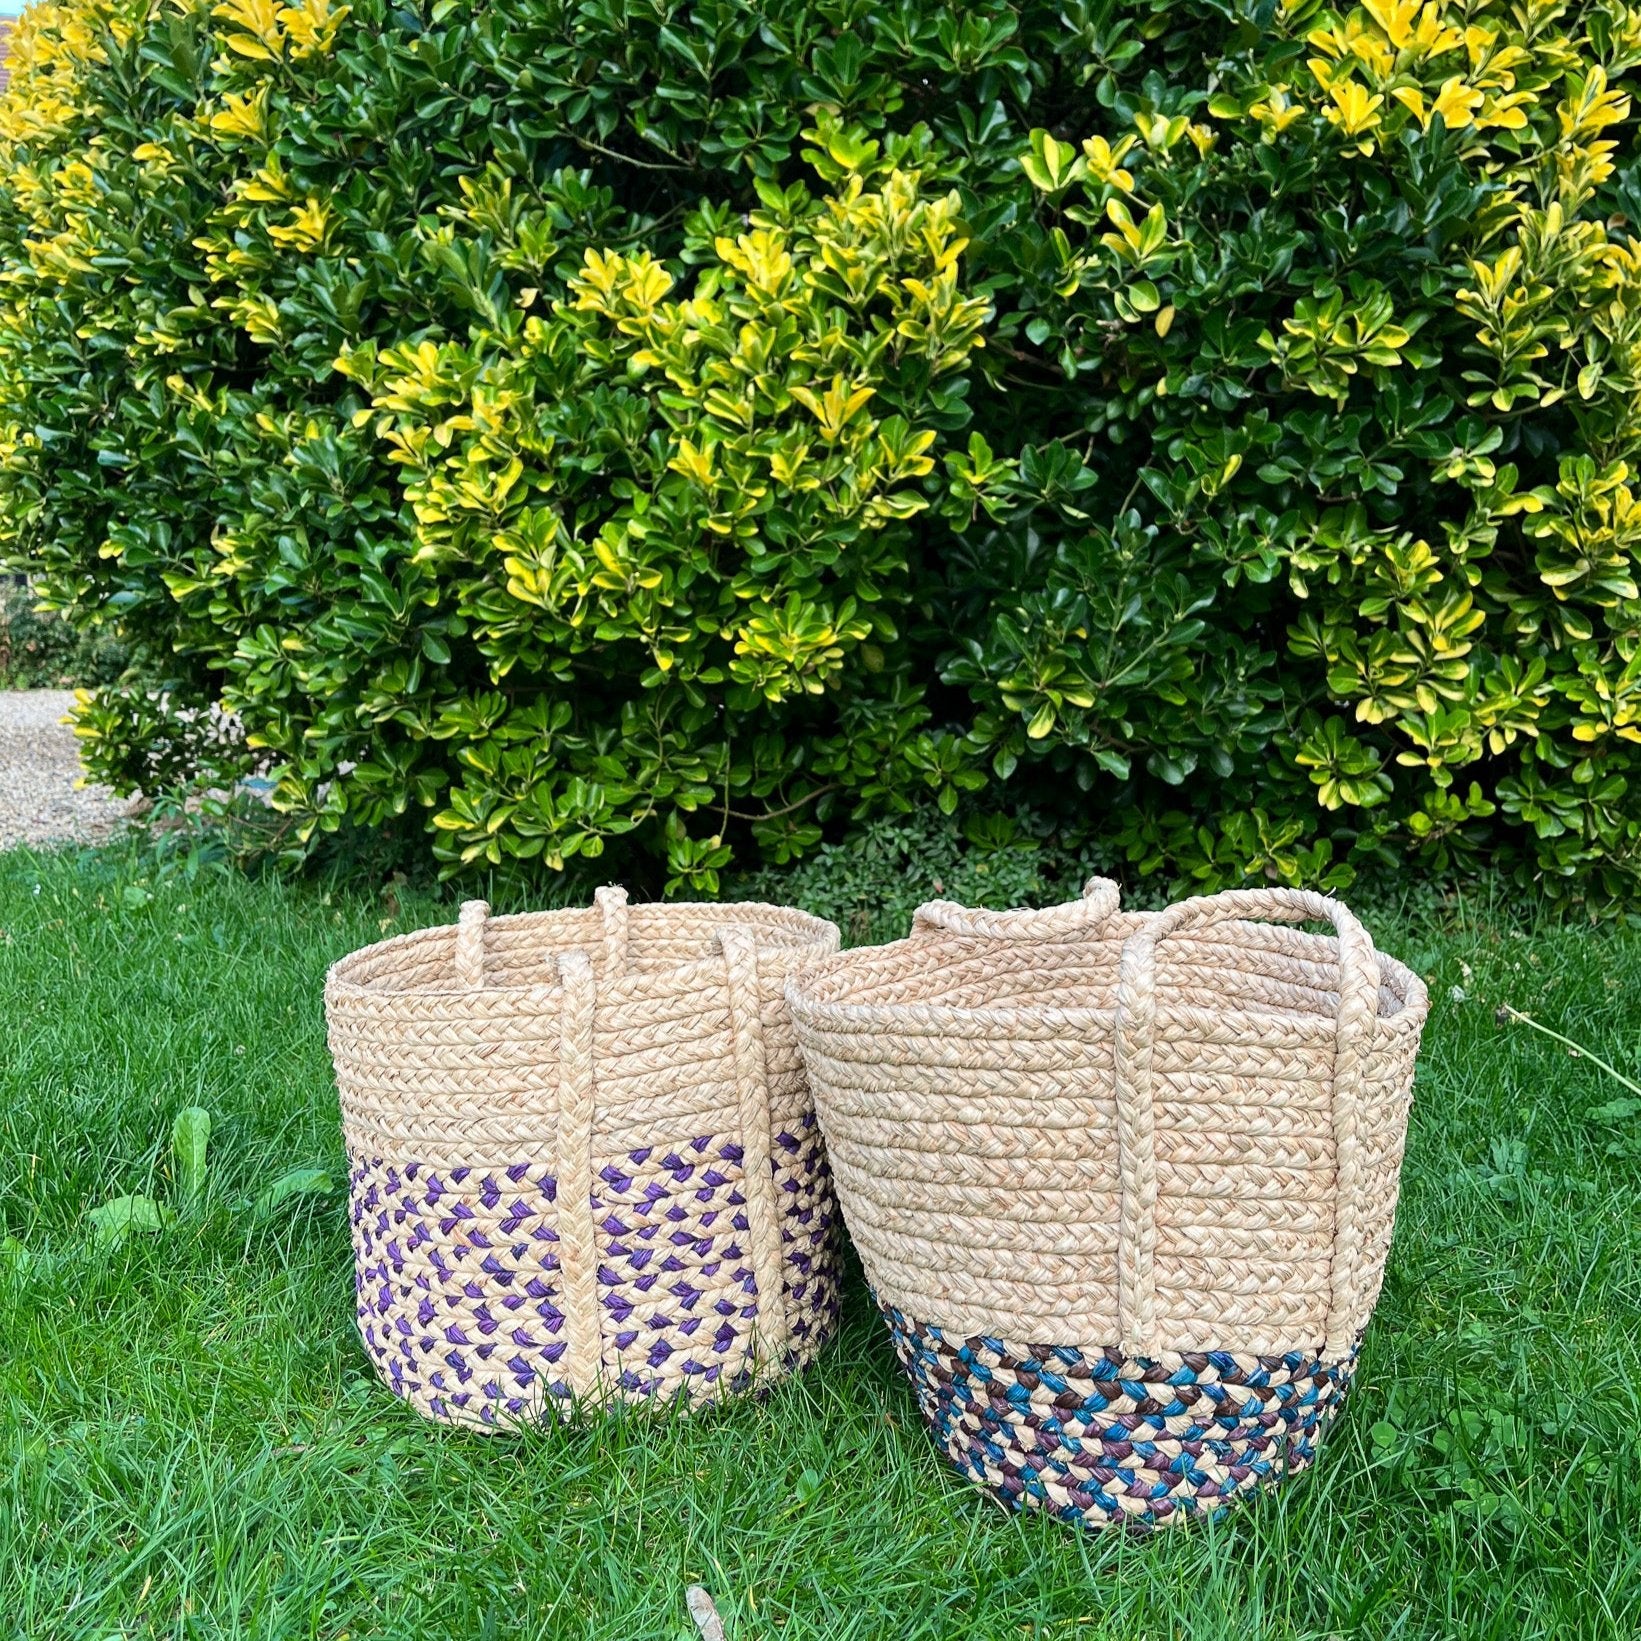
x=1100, y=1439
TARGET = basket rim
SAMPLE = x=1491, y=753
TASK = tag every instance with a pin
x=1042, y=1019
x=1047, y=1024
x=349, y=977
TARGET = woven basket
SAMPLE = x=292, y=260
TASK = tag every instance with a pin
x=583, y=1157
x=1123, y=1185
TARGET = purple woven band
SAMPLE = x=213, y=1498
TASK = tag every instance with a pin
x=457, y=1275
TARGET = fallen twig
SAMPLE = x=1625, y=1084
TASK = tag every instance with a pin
x=1506, y=1012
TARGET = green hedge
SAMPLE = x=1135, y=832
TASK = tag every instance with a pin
x=552, y=423
x=39, y=650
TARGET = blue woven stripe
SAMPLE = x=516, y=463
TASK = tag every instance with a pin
x=1085, y=1437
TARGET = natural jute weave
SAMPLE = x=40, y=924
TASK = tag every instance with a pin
x=1086, y=1154
x=583, y=1156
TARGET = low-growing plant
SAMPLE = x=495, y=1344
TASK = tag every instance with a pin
x=140, y=1213
x=872, y=881
x=551, y=426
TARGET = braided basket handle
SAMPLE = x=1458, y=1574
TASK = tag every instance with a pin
x=611, y=902
x=573, y=1187
x=1136, y=1140
x=577, y=1246
x=470, y=944
x=1099, y=902
x=751, y=1061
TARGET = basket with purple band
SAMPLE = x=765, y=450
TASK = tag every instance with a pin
x=583, y=1156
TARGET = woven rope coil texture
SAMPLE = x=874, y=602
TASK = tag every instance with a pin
x=584, y=1156
x=1167, y=1132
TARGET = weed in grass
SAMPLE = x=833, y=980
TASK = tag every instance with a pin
x=192, y=1443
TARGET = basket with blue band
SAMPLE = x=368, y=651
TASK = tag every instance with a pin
x=1123, y=1184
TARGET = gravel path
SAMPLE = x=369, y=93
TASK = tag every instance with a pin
x=39, y=764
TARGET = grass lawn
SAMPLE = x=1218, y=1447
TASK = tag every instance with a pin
x=192, y=1444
